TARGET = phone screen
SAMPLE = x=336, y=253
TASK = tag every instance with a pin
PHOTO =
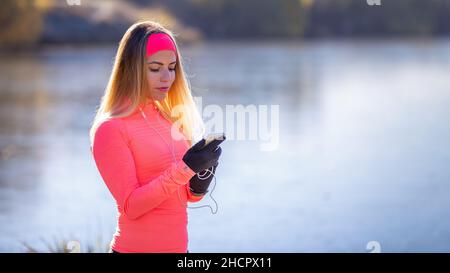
x=215, y=139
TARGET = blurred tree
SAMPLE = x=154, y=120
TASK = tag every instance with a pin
x=392, y=18
x=25, y=22
x=244, y=19
x=21, y=21
x=311, y=18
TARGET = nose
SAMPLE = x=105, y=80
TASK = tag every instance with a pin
x=165, y=76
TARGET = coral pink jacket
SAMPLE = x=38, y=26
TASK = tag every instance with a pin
x=151, y=191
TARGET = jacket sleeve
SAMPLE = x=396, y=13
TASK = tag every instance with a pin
x=116, y=165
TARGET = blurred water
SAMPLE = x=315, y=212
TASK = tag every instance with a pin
x=363, y=150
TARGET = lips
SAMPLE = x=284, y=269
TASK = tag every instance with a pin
x=163, y=89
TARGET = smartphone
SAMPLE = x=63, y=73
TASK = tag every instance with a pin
x=214, y=139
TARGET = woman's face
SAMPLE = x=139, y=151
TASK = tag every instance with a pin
x=160, y=73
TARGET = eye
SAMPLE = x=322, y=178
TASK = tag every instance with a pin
x=157, y=70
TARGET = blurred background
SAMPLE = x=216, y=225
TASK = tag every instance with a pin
x=364, y=97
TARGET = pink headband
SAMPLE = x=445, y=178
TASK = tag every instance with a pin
x=159, y=41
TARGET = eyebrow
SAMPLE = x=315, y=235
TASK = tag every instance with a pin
x=154, y=62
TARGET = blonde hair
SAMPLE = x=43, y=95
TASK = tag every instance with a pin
x=128, y=87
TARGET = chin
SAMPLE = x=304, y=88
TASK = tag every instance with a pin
x=160, y=98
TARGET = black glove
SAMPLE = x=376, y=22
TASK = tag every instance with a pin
x=199, y=159
x=199, y=185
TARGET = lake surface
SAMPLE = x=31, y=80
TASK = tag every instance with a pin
x=363, y=150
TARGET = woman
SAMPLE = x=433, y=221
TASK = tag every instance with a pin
x=141, y=148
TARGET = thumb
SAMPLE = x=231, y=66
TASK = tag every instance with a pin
x=198, y=145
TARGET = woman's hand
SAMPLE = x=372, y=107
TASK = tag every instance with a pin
x=198, y=158
x=199, y=185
